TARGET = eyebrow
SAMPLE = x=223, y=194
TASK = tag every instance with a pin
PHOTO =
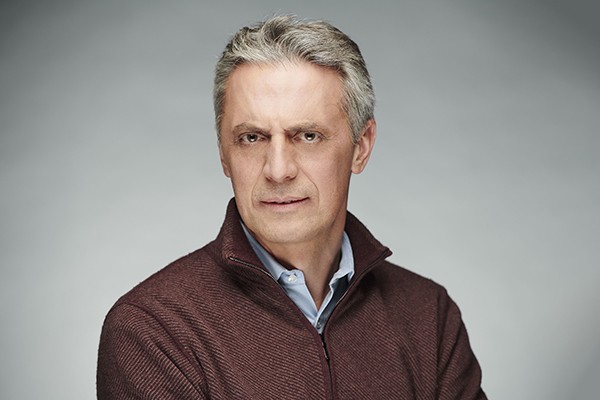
x=246, y=127
x=308, y=126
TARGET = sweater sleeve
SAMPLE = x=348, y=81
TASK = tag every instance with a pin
x=459, y=373
x=139, y=359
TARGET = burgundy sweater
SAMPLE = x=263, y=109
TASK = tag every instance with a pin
x=215, y=325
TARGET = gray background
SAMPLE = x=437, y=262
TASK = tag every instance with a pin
x=484, y=176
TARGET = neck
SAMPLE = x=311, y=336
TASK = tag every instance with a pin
x=318, y=261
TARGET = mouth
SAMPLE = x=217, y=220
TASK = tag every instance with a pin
x=284, y=202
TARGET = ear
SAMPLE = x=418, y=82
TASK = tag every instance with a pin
x=364, y=146
x=224, y=163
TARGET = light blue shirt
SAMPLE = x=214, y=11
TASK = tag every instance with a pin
x=292, y=281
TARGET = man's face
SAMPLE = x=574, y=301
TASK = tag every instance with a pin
x=287, y=147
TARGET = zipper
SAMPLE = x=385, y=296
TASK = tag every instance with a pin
x=247, y=264
x=327, y=371
x=329, y=378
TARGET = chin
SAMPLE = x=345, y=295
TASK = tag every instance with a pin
x=286, y=234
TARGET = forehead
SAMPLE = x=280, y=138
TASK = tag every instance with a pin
x=283, y=92
x=276, y=76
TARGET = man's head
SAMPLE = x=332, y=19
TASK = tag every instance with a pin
x=286, y=139
x=287, y=39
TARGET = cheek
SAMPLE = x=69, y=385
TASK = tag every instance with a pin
x=331, y=178
x=239, y=178
x=243, y=175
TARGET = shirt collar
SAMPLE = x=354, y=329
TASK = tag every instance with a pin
x=346, y=267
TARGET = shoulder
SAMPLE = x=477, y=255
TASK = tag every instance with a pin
x=186, y=280
x=406, y=282
x=169, y=308
x=143, y=343
x=415, y=296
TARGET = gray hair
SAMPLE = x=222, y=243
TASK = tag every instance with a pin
x=286, y=38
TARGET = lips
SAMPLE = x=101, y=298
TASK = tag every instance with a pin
x=286, y=204
x=284, y=201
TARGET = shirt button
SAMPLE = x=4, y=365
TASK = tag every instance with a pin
x=292, y=278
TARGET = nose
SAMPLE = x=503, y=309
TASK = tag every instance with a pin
x=280, y=164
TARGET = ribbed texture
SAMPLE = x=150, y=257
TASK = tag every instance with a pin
x=214, y=325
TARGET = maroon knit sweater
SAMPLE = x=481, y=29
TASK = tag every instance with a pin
x=215, y=325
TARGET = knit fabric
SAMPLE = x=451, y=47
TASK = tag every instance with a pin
x=215, y=325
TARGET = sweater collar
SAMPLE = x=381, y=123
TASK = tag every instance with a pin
x=235, y=248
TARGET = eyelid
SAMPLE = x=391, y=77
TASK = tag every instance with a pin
x=300, y=136
x=243, y=137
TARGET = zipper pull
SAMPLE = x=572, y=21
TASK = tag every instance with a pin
x=324, y=347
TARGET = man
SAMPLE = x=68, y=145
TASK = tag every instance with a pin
x=294, y=298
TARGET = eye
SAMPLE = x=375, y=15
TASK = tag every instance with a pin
x=249, y=138
x=309, y=136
